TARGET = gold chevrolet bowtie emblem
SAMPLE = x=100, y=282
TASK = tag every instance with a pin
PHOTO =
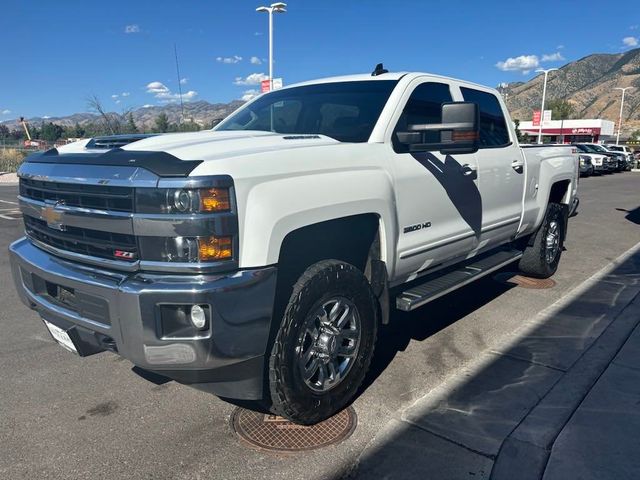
x=53, y=217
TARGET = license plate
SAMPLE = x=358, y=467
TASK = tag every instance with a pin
x=60, y=336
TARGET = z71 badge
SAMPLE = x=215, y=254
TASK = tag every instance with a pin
x=416, y=227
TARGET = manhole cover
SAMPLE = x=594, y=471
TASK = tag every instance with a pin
x=269, y=432
x=511, y=278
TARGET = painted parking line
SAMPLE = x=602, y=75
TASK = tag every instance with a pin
x=7, y=201
x=10, y=214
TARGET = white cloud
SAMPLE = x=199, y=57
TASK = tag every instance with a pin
x=134, y=28
x=5, y=112
x=249, y=95
x=183, y=81
x=523, y=63
x=117, y=101
x=115, y=96
x=630, y=41
x=253, y=79
x=634, y=27
x=125, y=94
x=148, y=105
x=165, y=95
x=256, y=61
x=234, y=59
x=552, y=57
x=560, y=47
x=46, y=116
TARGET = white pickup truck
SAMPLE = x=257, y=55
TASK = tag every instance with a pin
x=257, y=260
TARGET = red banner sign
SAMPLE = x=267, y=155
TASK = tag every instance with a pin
x=536, y=118
x=265, y=85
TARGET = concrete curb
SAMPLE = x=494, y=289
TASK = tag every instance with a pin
x=527, y=449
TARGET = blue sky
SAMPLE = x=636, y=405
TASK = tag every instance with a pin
x=56, y=54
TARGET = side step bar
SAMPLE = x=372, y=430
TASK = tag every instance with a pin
x=442, y=283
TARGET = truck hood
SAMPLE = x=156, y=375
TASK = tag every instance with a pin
x=212, y=145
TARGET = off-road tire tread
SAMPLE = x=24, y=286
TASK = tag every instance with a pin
x=280, y=391
x=533, y=262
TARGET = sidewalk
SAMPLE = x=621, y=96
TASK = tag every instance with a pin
x=560, y=401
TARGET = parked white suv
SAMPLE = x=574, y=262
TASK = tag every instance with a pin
x=257, y=260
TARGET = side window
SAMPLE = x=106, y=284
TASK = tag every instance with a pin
x=493, y=127
x=423, y=107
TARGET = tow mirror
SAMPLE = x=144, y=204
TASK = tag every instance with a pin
x=458, y=132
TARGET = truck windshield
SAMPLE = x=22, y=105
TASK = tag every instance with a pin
x=345, y=111
x=599, y=149
x=589, y=148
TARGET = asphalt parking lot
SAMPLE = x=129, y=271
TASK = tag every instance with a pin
x=66, y=417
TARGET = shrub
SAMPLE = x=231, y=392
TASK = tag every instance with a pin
x=10, y=159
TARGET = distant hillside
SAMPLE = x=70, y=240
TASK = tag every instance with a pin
x=200, y=112
x=589, y=84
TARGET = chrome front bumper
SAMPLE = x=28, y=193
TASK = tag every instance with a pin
x=121, y=310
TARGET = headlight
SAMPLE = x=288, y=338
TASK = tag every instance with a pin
x=190, y=220
x=186, y=249
x=183, y=200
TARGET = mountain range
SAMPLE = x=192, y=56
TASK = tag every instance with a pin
x=589, y=84
x=201, y=112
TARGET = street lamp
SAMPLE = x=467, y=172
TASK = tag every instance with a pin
x=278, y=7
x=544, y=93
x=621, y=107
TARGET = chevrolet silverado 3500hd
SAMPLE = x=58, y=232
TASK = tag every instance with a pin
x=257, y=260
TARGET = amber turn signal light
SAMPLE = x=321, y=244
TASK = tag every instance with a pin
x=215, y=248
x=214, y=200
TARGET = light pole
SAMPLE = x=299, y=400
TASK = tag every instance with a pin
x=278, y=7
x=544, y=93
x=621, y=107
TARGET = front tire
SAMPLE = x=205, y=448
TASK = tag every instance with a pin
x=541, y=258
x=325, y=343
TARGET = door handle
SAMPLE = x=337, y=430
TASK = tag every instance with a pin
x=517, y=165
x=467, y=169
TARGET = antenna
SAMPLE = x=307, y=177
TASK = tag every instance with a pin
x=379, y=70
x=175, y=51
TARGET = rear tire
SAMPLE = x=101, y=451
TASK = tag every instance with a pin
x=325, y=343
x=541, y=258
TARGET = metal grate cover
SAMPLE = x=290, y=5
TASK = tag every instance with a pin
x=273, y=433
x=511, y=278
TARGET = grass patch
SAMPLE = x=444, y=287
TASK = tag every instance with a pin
x=10, y=159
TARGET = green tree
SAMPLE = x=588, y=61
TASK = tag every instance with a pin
x=131, y=126
x=162, y=123
x=51, y=131
x=635, y=136
x=4, y=132
x=560, y=109
x=516, y=123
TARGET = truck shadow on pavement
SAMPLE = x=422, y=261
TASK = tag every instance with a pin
x=632, y=215
x=425, y=322
x=500, y=415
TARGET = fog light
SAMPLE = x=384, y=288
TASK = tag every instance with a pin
x=198, y=317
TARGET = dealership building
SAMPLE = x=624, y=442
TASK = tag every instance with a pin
x=573, y=131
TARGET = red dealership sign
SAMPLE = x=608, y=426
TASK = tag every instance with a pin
x=265, y=85
x=536, y=118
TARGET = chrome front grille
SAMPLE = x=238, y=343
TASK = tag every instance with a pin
x=94, y=243
x=82, y=195
x=92, y=214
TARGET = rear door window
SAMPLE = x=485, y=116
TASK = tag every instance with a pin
x=493, y=126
